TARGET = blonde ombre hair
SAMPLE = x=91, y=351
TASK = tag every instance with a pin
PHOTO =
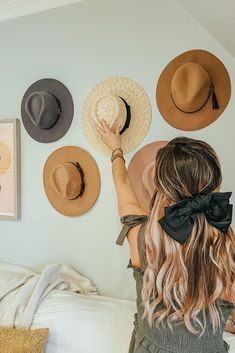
x=182, y=280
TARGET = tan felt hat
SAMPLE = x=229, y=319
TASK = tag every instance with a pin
x=120, y=102
x=193, y=90
x=5, y=158
x=141, y=171
x=71, y=180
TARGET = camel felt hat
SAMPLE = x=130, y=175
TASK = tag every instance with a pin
x=122, y=103
x=47, y=110
x=71, y=180
x=193, y=90
x=141, y=171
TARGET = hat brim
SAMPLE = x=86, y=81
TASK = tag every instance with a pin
x=219, y=78
x=141, y=112
x=63, y=123
x=84, y=203
x=136, y=167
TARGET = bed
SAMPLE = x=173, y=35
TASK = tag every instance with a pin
x=89, y=323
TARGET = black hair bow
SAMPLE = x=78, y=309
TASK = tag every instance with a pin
x=179, y=218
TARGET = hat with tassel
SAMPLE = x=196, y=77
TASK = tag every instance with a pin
x=193, y=90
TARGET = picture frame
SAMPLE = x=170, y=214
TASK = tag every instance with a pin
x=10, y=184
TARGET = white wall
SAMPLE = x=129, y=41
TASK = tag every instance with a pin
x=79, y=45
x=217, y=17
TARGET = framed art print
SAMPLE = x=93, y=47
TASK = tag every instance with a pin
x=9, y=169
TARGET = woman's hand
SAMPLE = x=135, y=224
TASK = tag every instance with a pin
x=110, y=138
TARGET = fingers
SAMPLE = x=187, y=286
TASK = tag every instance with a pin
x=104, y=130
x=100, y=131
x=105, y=126
x=101, y=125
x=98, y=124
x=117, y=130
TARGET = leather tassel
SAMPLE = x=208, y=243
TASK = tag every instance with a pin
x=215, y=104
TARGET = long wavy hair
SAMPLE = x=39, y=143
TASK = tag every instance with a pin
x=182, y=280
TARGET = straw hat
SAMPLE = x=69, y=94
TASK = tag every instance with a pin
x=193, y=90
x=120, y=102
x=47, y=110
x=71, y=180
x=141, y=171
x=5, y=158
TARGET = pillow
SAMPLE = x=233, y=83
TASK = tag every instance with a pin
x=22, y=340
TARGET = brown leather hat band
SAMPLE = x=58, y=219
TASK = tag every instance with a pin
x=80, y=170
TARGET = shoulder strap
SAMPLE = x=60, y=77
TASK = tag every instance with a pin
x=141, y=244
x=129, y=222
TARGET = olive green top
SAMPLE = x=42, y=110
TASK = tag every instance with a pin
x=162, y=339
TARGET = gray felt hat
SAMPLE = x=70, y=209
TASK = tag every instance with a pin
x=47, y=110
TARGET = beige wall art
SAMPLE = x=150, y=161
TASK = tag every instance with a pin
x=9, y=169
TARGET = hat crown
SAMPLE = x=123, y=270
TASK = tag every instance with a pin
x=110, y=108
x=66, y=181
x=148, y=178
x=190, y=87
x=43, y=109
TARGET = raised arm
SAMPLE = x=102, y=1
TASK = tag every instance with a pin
x=126, y=197
x=128, y=203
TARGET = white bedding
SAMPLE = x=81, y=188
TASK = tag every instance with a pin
x=85, y=323
x=89, y=323
x=21, y=290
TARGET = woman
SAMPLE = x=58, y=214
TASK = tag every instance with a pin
x=183, y=253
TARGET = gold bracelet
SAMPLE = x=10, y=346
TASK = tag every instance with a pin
x=117, y=149
x=118, y=156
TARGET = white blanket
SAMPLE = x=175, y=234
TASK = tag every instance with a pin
x=21, y=290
